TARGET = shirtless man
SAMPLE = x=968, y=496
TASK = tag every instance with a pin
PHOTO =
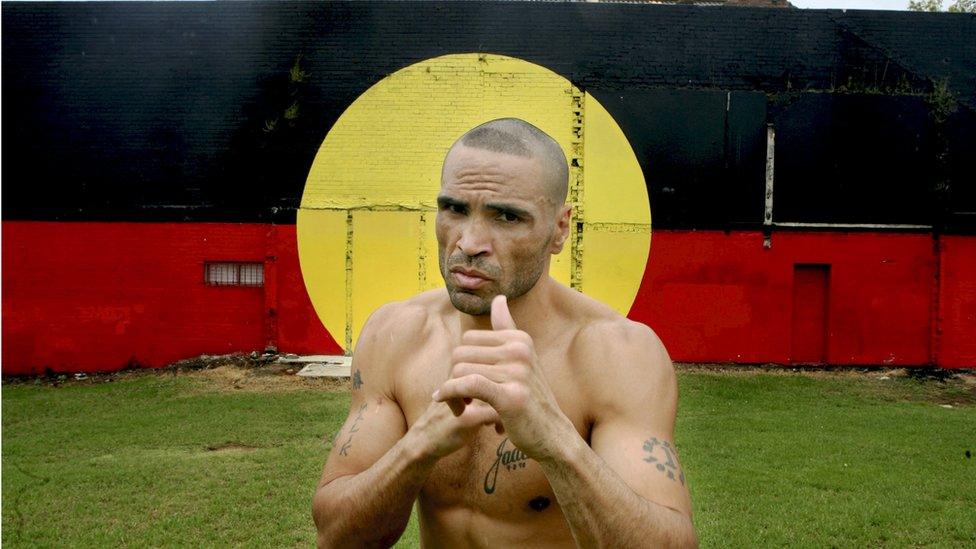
x=517, y=412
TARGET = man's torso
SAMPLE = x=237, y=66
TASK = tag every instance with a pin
x=488, y=493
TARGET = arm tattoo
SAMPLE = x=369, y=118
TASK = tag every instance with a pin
x=344, y=450
x=665, y=461
x=512, y=459
x=357, y=380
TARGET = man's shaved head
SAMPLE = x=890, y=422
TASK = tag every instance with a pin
x=519, y=138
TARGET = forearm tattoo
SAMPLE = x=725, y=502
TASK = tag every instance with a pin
x=511, y=459
x=344, y=450
x=663, y=456
x=357, y=380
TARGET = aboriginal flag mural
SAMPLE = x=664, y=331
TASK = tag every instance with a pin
x=756, y=185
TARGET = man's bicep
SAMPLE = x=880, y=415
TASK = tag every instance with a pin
x=646, y=460
x=375, y=423
x=633, y=430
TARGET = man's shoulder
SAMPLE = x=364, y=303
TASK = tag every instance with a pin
x=403, y=323
x=613, y=344
x=623, y=366
x=601, y=329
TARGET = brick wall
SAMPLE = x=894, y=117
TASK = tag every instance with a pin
x=158, y=111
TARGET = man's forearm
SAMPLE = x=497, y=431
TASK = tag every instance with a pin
x=603, y=511
x=372, y=508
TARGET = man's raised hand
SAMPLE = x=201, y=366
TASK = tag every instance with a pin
x=443, y=432
x=501, y=319
x=499, y=366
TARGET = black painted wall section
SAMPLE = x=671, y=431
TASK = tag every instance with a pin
x=703, y=153
x=156, y=111
x=854, y=159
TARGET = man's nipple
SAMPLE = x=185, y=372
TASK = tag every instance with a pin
x=539, y=504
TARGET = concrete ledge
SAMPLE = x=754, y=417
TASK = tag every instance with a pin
x=320, y=365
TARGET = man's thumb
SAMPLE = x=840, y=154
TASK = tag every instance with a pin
x=501, y=318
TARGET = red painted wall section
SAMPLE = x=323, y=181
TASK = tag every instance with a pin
x=299, y=328
x=101, y=296
x=716, y=297
x=957, y=342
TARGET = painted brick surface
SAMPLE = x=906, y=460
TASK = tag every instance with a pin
x=102, y=296
x=714, y=296
x=170, y=119
x=161, y=111
x=299, y=329
x=957, y=315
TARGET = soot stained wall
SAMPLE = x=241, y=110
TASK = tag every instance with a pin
x=176, y=111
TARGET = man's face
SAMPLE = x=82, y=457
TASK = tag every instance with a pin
x=496, y=226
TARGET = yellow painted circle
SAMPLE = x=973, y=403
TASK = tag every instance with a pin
x=365, y=228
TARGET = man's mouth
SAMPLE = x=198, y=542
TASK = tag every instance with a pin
x=469, y=279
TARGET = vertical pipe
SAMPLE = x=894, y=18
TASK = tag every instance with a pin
x=727, y=161
x=348, y=303
x=422, y=254
x=576, y=190
x=768, y=211
x=935, y=338
x=271, y=289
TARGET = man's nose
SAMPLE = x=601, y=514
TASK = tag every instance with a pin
x=474, y=240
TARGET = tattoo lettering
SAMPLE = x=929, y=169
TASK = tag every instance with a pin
x=357, y=380
x=512, y=459
x=669, y=465
x=344, y=451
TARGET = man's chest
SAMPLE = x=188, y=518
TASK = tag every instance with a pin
x=490, y=475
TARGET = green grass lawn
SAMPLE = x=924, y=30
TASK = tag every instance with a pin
x=772, y=459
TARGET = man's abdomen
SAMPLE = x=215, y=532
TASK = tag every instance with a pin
x=459, y=526
x=490, y=494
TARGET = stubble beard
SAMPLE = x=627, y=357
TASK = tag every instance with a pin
x=522, y=280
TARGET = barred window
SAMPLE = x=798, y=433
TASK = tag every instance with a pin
x=234, y=273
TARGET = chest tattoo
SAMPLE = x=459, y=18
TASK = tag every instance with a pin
x=511, y=459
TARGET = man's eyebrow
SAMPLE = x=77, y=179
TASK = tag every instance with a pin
x=508, y=208
x=446, y=202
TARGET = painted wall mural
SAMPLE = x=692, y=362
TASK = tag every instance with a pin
x=146, y=141
x=370, y=194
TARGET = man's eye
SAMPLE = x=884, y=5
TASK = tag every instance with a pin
x=508, y=217
x=456, y=208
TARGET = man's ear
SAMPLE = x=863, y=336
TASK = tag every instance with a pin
x=563, y=219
